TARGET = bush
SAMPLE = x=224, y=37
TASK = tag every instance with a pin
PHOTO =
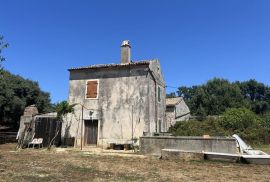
x=251, y=127
x=198, y=128
x=239, y=119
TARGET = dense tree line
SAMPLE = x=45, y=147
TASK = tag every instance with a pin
x=217, y=95
x=241, y=108
x=15, y=94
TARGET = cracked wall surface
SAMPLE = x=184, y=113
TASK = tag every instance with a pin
x=126, y=95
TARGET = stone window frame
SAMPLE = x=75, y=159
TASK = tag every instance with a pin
x=85, y=93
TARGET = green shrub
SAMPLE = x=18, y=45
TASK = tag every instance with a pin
x=198, y=128
x=254, y=129
x=239, y=119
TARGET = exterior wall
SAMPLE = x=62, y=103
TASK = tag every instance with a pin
x=22, y=130
x=170, y=116
x=182, y=111
x=158, y=81
x=179, y=112
x=26, y=118
x=154, y=145
x=125, y=95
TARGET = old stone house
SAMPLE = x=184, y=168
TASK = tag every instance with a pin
x=115, y=102
x=176, y=110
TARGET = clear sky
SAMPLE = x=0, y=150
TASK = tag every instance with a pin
x=195, y=40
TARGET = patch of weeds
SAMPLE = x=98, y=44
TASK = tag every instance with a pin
x=87, y=169
x=216, y=162
x=43, y=171
x=91, y=171
x=130, y=178
x=39, y=178
x=84, y=169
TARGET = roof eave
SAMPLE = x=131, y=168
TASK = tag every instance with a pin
x=111, y=66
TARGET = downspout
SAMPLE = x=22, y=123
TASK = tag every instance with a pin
x=155, y=81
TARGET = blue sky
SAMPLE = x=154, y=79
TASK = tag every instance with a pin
x=195, y=40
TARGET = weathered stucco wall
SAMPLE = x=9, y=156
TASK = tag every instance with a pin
x=123, y=94
x=182, y=111
x=154, y=145
x=159, y=124
x=179, y=112
x=170, y=116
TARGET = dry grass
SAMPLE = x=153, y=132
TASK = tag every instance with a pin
x=42, y=165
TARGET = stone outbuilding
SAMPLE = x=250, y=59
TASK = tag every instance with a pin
x=116, y=103
x=34, y=125
x=176, y=110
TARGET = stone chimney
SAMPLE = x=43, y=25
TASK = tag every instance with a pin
x=125, y=52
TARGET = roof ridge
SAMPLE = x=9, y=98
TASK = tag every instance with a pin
x=110, y=65
x=173, y=101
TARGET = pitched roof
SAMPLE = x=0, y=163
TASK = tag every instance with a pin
x=173, y=101
x=113, y=65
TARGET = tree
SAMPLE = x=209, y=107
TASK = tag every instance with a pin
x=15, y=94
x=63, y=108
x=256, y=94
x=212, y=98
x=186, y=92
x=239, y=119
x=3, y=45
x=171, y=95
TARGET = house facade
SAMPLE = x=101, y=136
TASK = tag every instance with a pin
x=115, y=103
x=176, y=110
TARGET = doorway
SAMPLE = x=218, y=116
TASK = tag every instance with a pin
x=90, y=132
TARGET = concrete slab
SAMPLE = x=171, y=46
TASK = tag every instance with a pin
x=174, y=154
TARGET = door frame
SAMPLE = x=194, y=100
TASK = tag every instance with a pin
x=85, y=134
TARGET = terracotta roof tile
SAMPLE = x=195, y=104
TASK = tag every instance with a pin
x=173, y=101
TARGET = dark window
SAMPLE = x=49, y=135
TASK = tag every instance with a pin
x=159, y=92
x=159, y=125
x=92, y=89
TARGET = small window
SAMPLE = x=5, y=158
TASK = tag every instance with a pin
x=159, y=94
x=159, y=126
x=92, y=89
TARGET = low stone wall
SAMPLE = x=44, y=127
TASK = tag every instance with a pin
x=153, y=145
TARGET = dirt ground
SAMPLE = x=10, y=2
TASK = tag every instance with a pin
x=74, y=165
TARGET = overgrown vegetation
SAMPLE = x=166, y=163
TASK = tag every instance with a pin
x=217, y=95
x=241, y=108
x=62, y=109
x=251, y=127
x=15, y=94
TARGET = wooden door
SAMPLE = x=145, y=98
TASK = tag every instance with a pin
x=91, y=132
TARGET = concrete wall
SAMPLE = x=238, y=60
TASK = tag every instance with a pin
x=154, y=145
x=124, y=93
